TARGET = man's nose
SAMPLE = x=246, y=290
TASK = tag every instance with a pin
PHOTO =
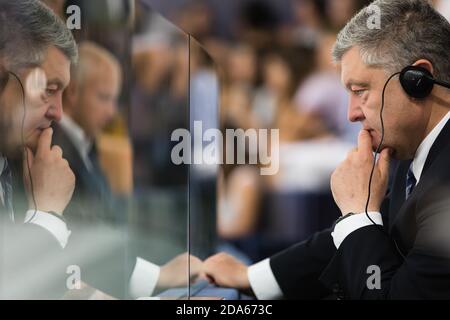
x=355, y=112
x=55, y=109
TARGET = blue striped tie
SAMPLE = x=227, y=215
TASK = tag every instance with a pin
x=5, y=180
x=410, y=182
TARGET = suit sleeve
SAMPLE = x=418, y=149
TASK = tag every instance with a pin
x=298, y=268
x=368, y=265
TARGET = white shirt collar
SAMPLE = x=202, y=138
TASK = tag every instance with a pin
x=78, y=137
x=424, y=148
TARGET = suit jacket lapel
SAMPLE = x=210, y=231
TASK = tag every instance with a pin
x=442, y=141
x=398, y=206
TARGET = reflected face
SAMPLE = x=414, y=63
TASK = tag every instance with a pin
x=23, y=120
x=405, y=120
x=97, y=100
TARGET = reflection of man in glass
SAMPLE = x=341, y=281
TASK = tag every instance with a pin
x=89, y=105
x=36, y=51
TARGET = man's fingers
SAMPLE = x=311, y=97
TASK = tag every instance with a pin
x=45, y=141
x=364, y=142
x=58, y=151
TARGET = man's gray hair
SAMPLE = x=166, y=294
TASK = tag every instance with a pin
x=410, y=30
x=27, y=29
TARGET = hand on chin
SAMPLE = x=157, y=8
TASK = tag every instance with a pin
x=32, y=140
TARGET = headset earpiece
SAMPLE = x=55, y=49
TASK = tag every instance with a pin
x=417, y=82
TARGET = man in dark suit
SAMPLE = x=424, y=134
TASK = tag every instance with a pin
x=403, y=250
x=36, y=51
x=96, y=216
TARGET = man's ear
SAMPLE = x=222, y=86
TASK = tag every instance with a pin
x=426, y=64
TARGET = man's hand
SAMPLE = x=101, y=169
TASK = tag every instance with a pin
x=53, y=180
x=174, y=273
x=226, y=271
x=350, y=180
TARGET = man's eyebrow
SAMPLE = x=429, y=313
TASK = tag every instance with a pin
x=56, y=81
x=351, y=83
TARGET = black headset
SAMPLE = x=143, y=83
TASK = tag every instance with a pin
x=418, y=82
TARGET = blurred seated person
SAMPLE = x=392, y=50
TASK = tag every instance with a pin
x=90, y=104
x=283, y=69
x=238, y=213
x=322, y=96
x=238, y=87
x=238, y=201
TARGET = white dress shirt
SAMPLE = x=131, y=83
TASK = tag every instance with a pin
x=260, y=275
x=145, y=274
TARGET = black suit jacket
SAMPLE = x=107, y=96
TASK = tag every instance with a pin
x=415, y=229
x=96, y=219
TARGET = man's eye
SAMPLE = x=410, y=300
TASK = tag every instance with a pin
x=359, y=92
x=50, y=92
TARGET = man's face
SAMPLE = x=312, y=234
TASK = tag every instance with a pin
x=23, y=123
x=97, y=101
x=405, y=120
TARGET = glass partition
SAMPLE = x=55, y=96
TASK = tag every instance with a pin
x=206, y=146
x=159, y=107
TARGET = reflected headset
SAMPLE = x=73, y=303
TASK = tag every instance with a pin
x=417, y=82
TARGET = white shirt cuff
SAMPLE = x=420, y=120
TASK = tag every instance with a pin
x=353, y=223
x=57, y=227
x=143, y=279
x=263, y=282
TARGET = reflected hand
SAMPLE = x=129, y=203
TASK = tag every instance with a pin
x=53, y=180
x=173, y=273
x=226, y=271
